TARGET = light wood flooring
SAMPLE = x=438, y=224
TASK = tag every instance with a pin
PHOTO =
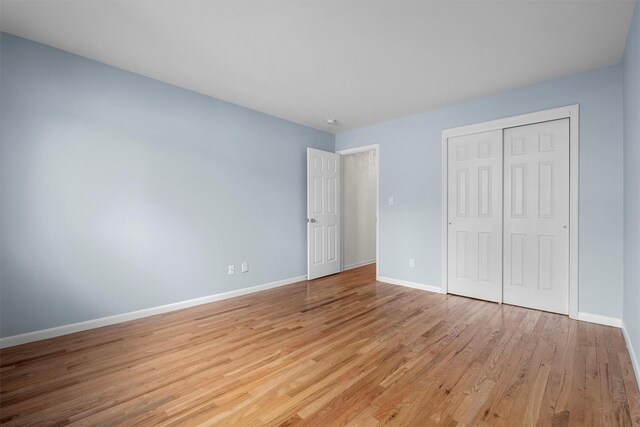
x=343, y=350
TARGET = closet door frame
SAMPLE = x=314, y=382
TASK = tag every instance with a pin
x=570, y=112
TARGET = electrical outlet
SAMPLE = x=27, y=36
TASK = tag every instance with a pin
x=231, y=270
x=412, y=262
x=245, y=266
x=392, y=200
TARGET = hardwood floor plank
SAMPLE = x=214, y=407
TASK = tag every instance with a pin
x=340, y=350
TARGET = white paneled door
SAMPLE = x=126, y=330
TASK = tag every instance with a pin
x=536, y=216
x=323, y=213
x=475, y=215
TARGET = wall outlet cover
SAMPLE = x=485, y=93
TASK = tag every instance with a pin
x=231, y=269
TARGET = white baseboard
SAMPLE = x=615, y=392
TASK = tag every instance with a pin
x=632, y=354
x=125, y=317
x=421, y=286
x=602, y=320
x=358, y=264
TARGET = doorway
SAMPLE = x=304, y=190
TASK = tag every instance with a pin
x=330, y=247
x=359, y=206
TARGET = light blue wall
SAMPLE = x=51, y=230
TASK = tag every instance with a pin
x=410, y=170
x=631, y=71
x=120, y=192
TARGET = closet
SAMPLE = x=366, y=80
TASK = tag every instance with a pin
x=508, y=200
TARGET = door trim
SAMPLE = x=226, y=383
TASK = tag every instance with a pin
x=571, y=112
x=376, y=148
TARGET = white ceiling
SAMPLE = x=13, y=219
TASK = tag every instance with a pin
x=358, y=61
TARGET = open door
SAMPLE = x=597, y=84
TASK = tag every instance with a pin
x=323, y=213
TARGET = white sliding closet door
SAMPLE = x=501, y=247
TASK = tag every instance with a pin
x=475, y=215
x=536, y=216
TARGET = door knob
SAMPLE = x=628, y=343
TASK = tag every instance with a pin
x=311, y=220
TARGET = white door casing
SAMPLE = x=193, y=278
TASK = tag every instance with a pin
x=376, y=149
x=475, y=215
x=536, y=216
x=323, y=213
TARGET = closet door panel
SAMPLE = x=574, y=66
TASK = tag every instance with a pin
x=475, y=215
x=536, y=216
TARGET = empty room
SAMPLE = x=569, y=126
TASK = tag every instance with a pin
x=319, y=212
